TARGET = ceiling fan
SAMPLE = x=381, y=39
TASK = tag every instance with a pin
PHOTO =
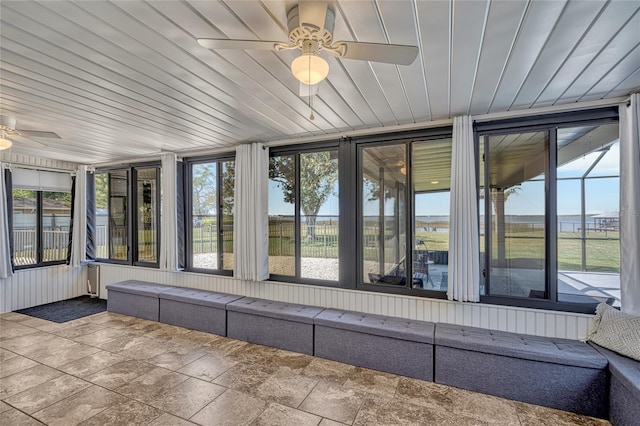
x=8, y=129
x=310, y=25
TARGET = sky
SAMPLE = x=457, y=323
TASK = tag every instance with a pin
x=602, y=195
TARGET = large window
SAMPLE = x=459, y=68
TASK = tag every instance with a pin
x=549, y=203
x=210, y=227
x=128, y=215
x=41, y=221
x=404, y=214
x=303, y=215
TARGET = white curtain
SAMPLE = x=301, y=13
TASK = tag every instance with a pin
x=5, y=249
x=169, y=214
x=251, y=220
x=630, y=205
x=464, y=253
x=79, y=237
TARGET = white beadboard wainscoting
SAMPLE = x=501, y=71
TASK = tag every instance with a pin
x=519, y=320
x=38, y=286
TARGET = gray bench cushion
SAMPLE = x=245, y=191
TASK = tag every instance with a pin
x=273, y=309
x=378, y=325
x=198, y=297
x=141, y=288
x=534, y=348
x=624, y=393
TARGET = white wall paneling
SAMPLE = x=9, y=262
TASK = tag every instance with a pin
x=507, y=318
x=38, y=286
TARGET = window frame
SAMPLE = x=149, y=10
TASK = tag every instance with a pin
x=407, y=139
x=296, y=151
x=131, y=210
x=188, y=201
x=40, y=233
x=550, y=123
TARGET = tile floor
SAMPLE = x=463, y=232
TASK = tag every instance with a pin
x=114, y=369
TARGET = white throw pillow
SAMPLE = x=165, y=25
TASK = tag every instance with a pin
x=616, y=331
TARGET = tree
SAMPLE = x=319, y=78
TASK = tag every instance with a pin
x=318, y=177
x=203, y=187
x=228, y=182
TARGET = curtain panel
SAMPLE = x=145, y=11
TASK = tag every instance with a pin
x=630, y=205
x=464, y=252
x=251, y=220
x=6, y=252
x=169, y=217
x=78, y=249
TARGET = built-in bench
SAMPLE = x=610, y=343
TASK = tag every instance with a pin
x=557, y=373
x=394, y=345
x=624, y=388
x=195, y=309
x=136, y=298
x=270, y=323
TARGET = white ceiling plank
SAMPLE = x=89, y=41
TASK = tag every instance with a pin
x=154, y=98
x=600, y=34
x=623, y=72
x=619, y=47
x=434, y=32
x=571, y=28
x=468, y=28
x=185, y=65
x=501, y=31
x=399, y=19
x=539, y=21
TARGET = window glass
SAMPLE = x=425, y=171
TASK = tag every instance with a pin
x=102, y=215
x=319, y=215
x=383, y=180
x=588, y=215
x=25, y=227
x=48, y=242
x=282, y=232
x=228, y=182
x=147, y=214
x=516, y=168
x=56, y=218
x=431, y=174
x=204, y=196
x=118, y=216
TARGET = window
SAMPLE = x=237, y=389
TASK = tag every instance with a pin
x=549, y=203
x=41, y=221
x=303, y=215
x=404, y=214
x=210, y=227
x=128, y=214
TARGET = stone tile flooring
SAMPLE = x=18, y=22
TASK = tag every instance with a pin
x=114, y=369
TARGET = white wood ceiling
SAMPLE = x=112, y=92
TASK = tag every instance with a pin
x=126, y=79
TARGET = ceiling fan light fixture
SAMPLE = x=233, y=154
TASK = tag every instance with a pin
x=310, y=68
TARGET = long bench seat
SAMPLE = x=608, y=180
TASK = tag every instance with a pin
x=136, y=298
x=624, y=388
x=565, y=374
x=558, y=373
x=266, y=322
x=394, y=345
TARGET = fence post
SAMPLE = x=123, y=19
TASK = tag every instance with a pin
x=280, y=239
x=324, y=239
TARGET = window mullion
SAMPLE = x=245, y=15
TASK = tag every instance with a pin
x=39, y=228
x=297, y=220
x=219, y=217
x=552, y=221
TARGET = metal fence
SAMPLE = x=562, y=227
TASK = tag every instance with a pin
x=25, y=249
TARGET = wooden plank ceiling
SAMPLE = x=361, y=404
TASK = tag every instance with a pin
x=128, y=79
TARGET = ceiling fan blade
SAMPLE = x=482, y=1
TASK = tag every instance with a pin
x=312, y=13
x=38, y=134
x=19, y=140
x=376, y=52
x=216, y=43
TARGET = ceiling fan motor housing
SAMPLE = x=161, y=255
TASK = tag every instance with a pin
x=303, y=31
x=8, y=125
